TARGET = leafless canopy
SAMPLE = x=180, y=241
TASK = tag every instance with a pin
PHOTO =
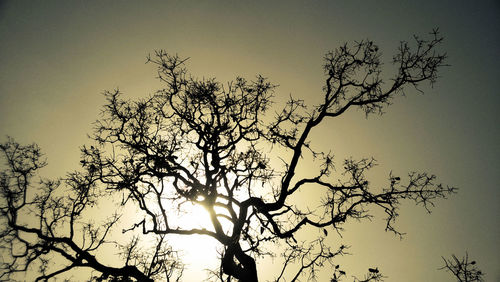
x=463, y=269
x=207, y=143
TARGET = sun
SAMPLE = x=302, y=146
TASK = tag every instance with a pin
x=198, y=252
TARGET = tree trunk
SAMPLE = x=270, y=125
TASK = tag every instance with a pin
x=245, y=270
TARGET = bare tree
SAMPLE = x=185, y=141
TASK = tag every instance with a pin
x=463, y=269
x=43, y=219
x=203, y=143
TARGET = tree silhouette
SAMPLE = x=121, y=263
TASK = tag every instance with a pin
x=463, y=269
x=199, y=142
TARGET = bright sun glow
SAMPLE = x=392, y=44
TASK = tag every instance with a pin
x=198, y=252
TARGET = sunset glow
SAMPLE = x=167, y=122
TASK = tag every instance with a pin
x=142, y=149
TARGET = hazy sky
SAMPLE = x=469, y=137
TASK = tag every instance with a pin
x=57, y=57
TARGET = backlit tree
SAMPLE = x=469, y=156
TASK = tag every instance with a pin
x=198, y=142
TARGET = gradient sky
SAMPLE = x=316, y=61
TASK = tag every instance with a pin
x=57, y=57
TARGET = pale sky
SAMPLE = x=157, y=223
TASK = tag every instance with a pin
x=57, y=57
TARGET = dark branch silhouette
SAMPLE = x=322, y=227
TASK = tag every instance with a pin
x=45, y=219
x=463, y=269
x=205, y=143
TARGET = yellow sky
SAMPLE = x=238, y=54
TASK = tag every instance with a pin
x=56, y=57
